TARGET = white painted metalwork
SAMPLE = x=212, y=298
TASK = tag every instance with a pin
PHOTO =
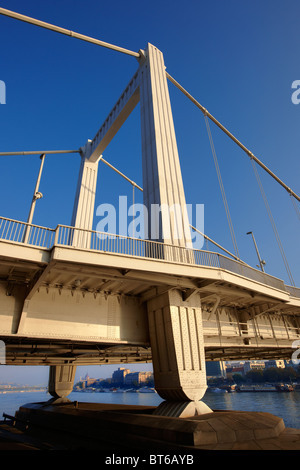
x=67, y=32
x=14, y=231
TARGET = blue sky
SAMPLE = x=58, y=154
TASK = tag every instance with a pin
x=237, y=58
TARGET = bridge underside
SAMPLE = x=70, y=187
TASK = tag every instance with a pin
x=77, y=307
x=27, y=351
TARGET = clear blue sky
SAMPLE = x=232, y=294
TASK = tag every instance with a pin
x=238, y=58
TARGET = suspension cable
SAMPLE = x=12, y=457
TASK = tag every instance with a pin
x=134, y=185
x=232, y=137
x=222, y=188
x=207, y=239
x=67, y=32
x=296, y=207
x=273, y=224
x=37, y=152
x=120, y=173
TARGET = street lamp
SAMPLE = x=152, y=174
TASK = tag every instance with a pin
x=36, y=195
x=261, y=261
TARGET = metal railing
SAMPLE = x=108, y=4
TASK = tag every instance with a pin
x=249, y=272
x=119, y=244
x=22, y=232
x=294, y=291
x=251, y=329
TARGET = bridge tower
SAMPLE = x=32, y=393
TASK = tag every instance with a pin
x=175, y=325
x=67, y=299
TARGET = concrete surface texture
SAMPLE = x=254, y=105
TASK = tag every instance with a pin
x=122, y=427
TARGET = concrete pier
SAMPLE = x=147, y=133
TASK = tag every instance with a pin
x=112, y=428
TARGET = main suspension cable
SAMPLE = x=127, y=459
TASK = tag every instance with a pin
x=37, y=152
x=232, y=137
x=67, y=32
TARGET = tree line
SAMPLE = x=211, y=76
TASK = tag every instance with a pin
x=271, y=374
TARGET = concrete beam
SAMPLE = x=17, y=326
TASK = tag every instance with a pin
x=116, y=118
x=83, y=211
x=186, y=295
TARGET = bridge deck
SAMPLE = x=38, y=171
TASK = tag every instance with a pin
x=245, y=313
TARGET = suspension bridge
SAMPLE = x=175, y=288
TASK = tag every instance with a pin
x=72, y=296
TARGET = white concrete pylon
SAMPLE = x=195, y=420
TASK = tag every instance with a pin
x=162, y=179
x=61, y=381
x=83, y=211
x=177, y=344
x=164, y=195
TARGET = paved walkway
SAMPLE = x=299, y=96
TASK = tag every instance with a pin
x=236, y=430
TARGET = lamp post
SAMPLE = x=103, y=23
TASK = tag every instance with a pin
x=36, y=195
x=261, y=261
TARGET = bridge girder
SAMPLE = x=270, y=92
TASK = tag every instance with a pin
x=237, y=321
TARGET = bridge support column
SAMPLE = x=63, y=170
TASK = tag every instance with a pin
x=176, y=337
x=61, y=380
x=83, y=211
x=162, y=178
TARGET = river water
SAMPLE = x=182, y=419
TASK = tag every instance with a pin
x=285, y=405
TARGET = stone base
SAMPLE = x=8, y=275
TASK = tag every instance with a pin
x=119, y=428
x=182, y=409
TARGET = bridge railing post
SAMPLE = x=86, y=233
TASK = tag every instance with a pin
x=56, y=237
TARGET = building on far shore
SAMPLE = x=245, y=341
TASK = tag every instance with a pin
x=253, y=365
x=232, y=370
x=119, y=375
x=137, y=378
x=215, y=369
x=243, y=368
